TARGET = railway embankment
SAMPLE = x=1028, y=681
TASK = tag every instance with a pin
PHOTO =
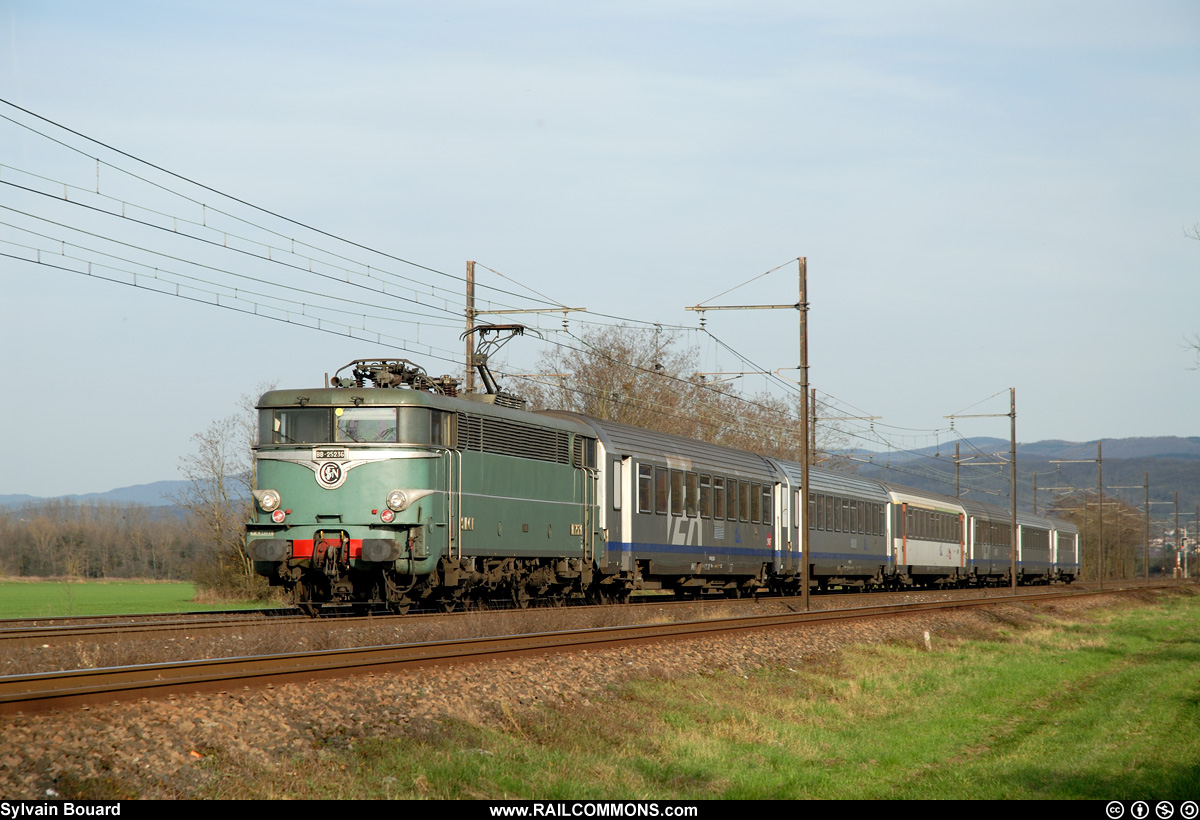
x=199, y=745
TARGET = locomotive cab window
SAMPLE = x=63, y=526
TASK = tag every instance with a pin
x=374, y=425
x=294, y=425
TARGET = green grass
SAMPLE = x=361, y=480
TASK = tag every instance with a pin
x=44, y=599
x=1106, y=706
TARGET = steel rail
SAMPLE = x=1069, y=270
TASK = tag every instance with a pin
x=40, y=631
x=34, y=692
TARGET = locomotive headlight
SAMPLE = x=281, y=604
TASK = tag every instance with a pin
x=397, y=500
x=267, y=499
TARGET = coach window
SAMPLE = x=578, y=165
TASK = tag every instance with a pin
x=744, y=501
x=692, y=493
x=676, y=492
x=705, y=496
x=718, y=497
x=660, y=490
x=768, y=516
x=645, y=488
x=756, y=503
x=731, y=509
x=814, y=511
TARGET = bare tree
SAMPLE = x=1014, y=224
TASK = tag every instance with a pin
x=220, y=479
x=217, y=495
x=1124, y=534
x=644, y=378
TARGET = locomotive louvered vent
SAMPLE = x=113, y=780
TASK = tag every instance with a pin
x=509, y=400
x=513, y=438
x=583, y=452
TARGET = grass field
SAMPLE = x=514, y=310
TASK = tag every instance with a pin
x=45, y=599
x=1104, y=706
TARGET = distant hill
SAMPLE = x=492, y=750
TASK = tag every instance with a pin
x=150, y=495
x=1170, y=462
x=1117, y=448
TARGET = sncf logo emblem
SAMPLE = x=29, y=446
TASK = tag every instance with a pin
x=330, y=475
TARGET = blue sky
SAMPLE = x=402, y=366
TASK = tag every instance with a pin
x=989, y=195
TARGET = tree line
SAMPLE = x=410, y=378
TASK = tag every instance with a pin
x=66, y=538
x=1122, y=554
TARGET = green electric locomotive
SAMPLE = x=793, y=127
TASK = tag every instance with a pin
x=387, y=488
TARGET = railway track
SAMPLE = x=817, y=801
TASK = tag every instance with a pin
x=46, y=630
x=25, y=632
x=33, y=692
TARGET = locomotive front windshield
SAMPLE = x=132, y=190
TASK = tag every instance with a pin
x=351, y=425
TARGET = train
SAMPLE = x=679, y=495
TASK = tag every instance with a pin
x=388, y=488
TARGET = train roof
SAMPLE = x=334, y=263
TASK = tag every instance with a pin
x=835, y=482
x=982, y=509
x=994, y=512
x=470, y=403
x=898, y=492
x=677, y=451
